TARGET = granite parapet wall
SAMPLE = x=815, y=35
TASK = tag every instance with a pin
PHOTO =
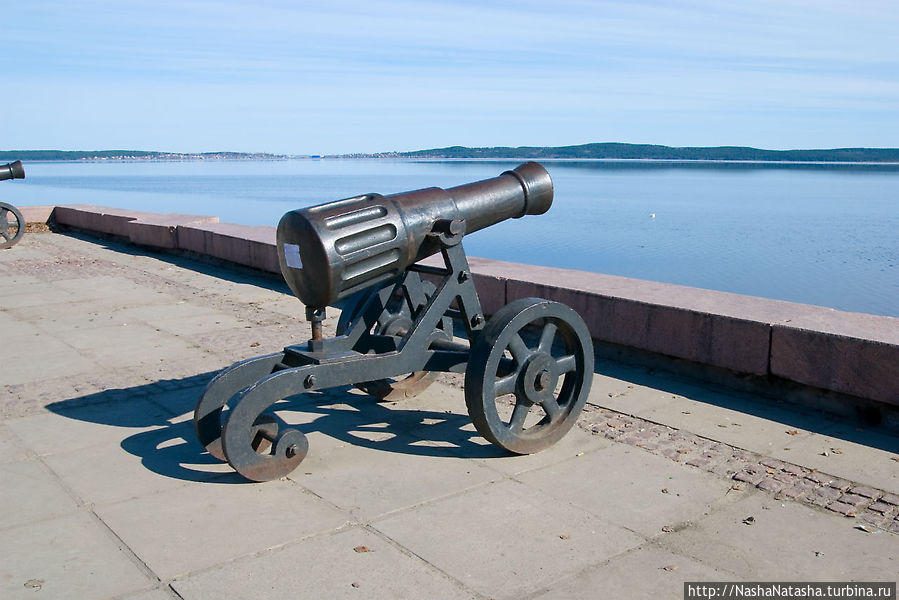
x=147, y=229
x=849, y=353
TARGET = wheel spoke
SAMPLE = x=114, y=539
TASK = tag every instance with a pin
x=552, y=408
x=566, y=364
x=546, y=337
x=505, y=385
x=519, y=414
x=519, y=349
x=4, y=234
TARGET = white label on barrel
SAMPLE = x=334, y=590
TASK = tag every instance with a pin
x=292, y=256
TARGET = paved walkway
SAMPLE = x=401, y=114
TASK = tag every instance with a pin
x=106, y=494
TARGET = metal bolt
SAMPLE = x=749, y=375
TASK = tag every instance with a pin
x=292, y=451
x=463, y=276
x=477, y=320
x=309, y=381
x=315, y=316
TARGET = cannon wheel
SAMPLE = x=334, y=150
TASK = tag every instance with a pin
x=397, y=317
x=208, y=413
x=546, y=379
x=10, y=232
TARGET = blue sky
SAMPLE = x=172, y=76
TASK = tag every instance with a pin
x=341, y=77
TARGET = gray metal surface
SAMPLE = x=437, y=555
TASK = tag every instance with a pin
x=396, y=319
x=534, y=359
x=13, y=170
x=396, y=328
x=12, y=225
x=331, y=251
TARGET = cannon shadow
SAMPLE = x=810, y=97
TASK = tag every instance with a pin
x=165, y=442
x=161, y=413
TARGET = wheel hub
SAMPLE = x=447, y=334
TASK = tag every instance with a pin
x=537, y=380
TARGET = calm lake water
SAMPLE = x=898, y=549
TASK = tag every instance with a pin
x=826, y=235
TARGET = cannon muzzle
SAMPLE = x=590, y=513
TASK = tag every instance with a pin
x=13, y=170
x=329, y=252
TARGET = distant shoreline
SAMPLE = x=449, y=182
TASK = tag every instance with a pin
x=699, y=161
x=597, y=152
x=653, y=152
x=628, y=161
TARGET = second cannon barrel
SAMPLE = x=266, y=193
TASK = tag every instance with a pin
x=13, y=170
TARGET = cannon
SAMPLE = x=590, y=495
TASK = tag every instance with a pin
x=11, y=231
x=528, y=368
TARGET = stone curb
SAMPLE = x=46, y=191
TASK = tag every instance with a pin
x=847, y=353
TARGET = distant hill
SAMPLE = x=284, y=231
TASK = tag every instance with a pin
x=613, y=150
x=9, y=155
x=608, y=150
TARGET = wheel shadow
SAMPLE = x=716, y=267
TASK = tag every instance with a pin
x=166, y=444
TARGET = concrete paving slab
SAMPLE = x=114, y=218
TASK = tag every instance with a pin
x=645, y=572
x=31, y=493
x=154, y=313
x=348, y=417
x=195, y=527
x=850, y=453
x=179, y=401
x=15, y=328
x=208, y=280
x=240, y=343
x=624, y=395
x=785, y=541
x=291, y=308
x=56, y=319
x=66, y=429
x=35, y=294
x=441, y=418
x=209, y=321
x=31, y=361
x=764, y=431
x=101, y=475
x=93, y=314
x=107, y=289
x=574, y=446
x=155, y=594
x=128, y=345
x=622, y=388
x=377, y=570
x=21, y=252
x=171, y=456
x=98, y=336
x=439, y=399
x=242, y=292
x=468, y=537
x=370, y=483
x=634, y=489
x=10, y=449
x=72, y=556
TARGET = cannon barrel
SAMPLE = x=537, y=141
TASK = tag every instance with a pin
x=12, y=170
x=329, y=252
